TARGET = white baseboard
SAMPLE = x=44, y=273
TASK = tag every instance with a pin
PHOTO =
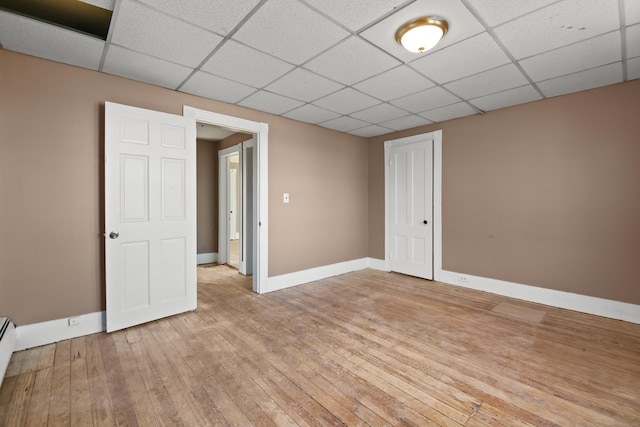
x=208, y=258
x=583, y=303
x=37, y=334
x=377, y=264
x=283, y=281
x=7, y=347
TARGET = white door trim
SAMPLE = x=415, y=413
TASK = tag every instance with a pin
x=436, y=136
x=224, y=199
x=261, y=150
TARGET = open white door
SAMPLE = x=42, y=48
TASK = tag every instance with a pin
x=410, y=207
x=150, y=215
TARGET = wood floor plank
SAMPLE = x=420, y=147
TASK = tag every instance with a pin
x=16, y=412
x=101, y=408
x=122, y=403
x=364, y=348
x=38, y=412
x=60, y=400
x=140, y=399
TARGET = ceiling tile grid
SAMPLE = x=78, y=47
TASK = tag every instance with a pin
x=210, y=86
x=337, y=63
x=596, y=77
x=355, y=14
x=132, y=65
x=633, y=41
x=406, y=122
x=311, y=114
x=141, y=28
x=304, y=85
x=558, y=25
x=591, y=53
x=449, y=112
x=507, y=98
x=344, y=124
x=347, y=101
x=396, y=83
x=352, y=61
x=496, y=80
x=270, y=102
x=217, y=16
x=243, y=64
x=281, y=28
x=473, y=55
x=46, y=41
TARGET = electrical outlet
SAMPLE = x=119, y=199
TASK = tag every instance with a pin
x=462, y=278
x=74, y=321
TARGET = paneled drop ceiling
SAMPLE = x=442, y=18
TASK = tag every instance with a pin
x=336, y=63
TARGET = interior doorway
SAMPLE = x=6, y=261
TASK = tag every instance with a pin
x=254, y=213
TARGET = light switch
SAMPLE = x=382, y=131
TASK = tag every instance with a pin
x=285, y=197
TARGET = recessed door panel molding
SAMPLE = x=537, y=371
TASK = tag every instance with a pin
x=174, y=285
x=173, y=136
x=173, y=189
x=150, y=197
x=135, y=265
x=134, y=131
x=134, y=195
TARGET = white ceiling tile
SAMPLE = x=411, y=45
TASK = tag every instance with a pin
x=143, y=68
x=351, y=61
x=631, y=12
x=148, y=31
x=270, y=102
x=633, y=41
x=471, y=56
x=104, y=4
x=602, y=76
x=394, y=84
x=344, y=124
x=633, y=68
x=36, y=38
x=462, y=25
x=495, y=12
x=379, y=113
x=519, y=95
x=304, y=85
x=407, y=122
x=558, y=25
x=214, y=87
x=496, y=80
x=346, y=101
x=370, y=131
x=461, y=109
x=245, y=65
x=311, y=114
x=355, y=14
x=281, y=28
x=217, y=16
x=590, y=53
x=426, y=100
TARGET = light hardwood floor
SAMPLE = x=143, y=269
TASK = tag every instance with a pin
x=365, y=348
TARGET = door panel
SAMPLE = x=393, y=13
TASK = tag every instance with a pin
x=411, y=208
x=150, y=215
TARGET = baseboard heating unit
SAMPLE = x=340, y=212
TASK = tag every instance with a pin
x=7, y=344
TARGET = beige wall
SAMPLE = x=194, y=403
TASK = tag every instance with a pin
x=545, y=194
x=51, y=186
x=207, y=184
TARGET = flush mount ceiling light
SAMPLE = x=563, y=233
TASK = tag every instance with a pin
x=421, y=34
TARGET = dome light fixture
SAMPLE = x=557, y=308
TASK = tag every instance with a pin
x=421, y=34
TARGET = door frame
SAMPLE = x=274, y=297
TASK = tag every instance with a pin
x=436, y=136
x=261, y=193
x=224, y=200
